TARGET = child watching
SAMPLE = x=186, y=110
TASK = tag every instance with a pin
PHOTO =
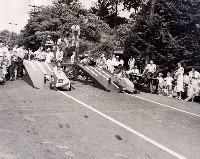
x=160, y=83
x=169, y=80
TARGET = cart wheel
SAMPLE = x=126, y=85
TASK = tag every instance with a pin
x=45, y=80
x=51, y=86
x=70, y=88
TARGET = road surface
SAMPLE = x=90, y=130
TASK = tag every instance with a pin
x=89, y=123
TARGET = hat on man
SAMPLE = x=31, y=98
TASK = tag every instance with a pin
x=160, y=74
x=59, y=41
x=102, y=55
x=48, y=49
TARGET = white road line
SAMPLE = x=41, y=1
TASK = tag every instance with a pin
x=173, y=153
x=32, y=65
x=91, y=71
x=164, y=105
x=48, y=67
x=41, y=68
x=99, y=73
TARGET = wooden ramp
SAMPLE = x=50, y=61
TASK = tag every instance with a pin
x=100, y=76
x=35, y=77
x=36, y=71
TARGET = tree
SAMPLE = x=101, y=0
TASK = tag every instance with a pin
x=57, y=21
x=108, y=11
x=9, y=38
x=170, y=38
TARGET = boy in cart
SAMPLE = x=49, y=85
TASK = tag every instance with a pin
x=59, y=79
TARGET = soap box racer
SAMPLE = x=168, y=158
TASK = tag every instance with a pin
x=59, y=79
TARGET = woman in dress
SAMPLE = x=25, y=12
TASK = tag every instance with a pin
x=131, y=63
x=193, y=81
x=179, y=76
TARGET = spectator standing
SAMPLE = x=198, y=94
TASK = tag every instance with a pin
x=121, y=62
x=117, y=65
x=4, y=69
x=169, y=81
x=109, y=65
x=49, y=56
x=179, y=76
x=59, y=54
x=131, y=63
x=1, y=53
x=41, y=54
x=102, y=61
x=13, y=66
x=20, y=58
x=150, y=68
x=35, y=55
x=149, y=73
x=160, y=83
x=112, y=64
x=193, y=81
x=31, y=55
x=73, y=57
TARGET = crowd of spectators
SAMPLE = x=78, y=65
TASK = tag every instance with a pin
x=179, y=84
x=11, y=60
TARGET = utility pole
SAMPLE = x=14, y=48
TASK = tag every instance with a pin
x=151, y=23
x=116, y=13
x=34, y=9
x=11, y=36
x=76, y=33
x=152, y=11
x=198, y=34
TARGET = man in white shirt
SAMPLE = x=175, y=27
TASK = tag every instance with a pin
x=5, y=49
x=73, y=57
x=50, y=56
x=1, y=53
x=20, y=53
x=59, y=54
x=102, y=61
x=149, y=73
x=121, y=62
x=117, y=62
x=75, y=31
x=151, y=68
x=133, y=71
x=40, y=54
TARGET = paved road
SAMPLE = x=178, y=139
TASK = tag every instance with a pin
x=88, y=123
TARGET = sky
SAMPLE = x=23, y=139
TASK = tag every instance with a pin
x=16, y=12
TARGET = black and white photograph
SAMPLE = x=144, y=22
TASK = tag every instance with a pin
x=99, y=79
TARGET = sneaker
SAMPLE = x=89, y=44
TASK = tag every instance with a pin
x=11, y=79
x=170, y=96
x=179, y=98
